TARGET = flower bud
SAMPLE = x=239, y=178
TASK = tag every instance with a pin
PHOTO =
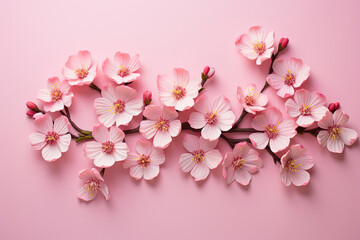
x=147, y=97
x=30, y=113
x=32, y=106
x=283, y=43
x=334, y=106
x=211, y=72
x=206, y=70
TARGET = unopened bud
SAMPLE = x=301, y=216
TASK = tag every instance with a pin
x=334, y=106
x=283, y=43
x=30, y=113
x=211, y=72
x=147, y=97
x=32, y=106
x=206, y=70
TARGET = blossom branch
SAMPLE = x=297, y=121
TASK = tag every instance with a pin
x=93, y=86
x=274, y=156
x=67, y=114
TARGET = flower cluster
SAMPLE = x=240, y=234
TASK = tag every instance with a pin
x=211, y=119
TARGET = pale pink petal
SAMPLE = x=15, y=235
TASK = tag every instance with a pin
x=197, y=120
x=211, y=132
x=67, y=99
x=253, y=158
x=143, y=147
x=85, y=174
x=262, y=99
x=317, y=99
x=100, y=133
x=287, y=127
x=116, y=135
x=257, y=33
x=244, y=43
x=44, y=95
x=240, y=95
x=104, y=190
x=340, y=118
x=300, y=178
x=181, y=76
x=335, y=145
x=61, y=125
x=200, y=171
x=220, y=104
x=285, y=91
x=226, y=120
x=280, y=67
x=37, y=140
x=103, y=106
x=241, y=150
x=169, y=113
x=213, y=158
x=259, y=122
x=184, y=103
x=174, y=128
x=125, y=93
x=44, y=124
x=53, y=106
x=323, y=137
x=134, y=106
x=147, y=128
x=162, y=139
x=93, y=149
x=121, y=151
x=305, y=121
x=193, y=87
x=207, y=145
x=318, y=112
x=137, y=172
x=51, y=153
x=123, y=118
x=131, y=161
x=64, y=142
x=186, y=162
x=110, y=70
x=157, y=156
x=134, y=63
x=229, y=175
x=269, y=40
x=69, y=73
x=109, y=93
x=202, y=104
x=259, y=140
x=242, y=176
x=279, y=143
x=191, y=143
x=152, y=112
x=276, y=81
x=349, y=136
x=285, y=176
x=303, y=97
x=273, y=115
x=326, y=121
x=264, y=56
x=87, y=194
x=122, y=59
x=151, y=171
x=105, y=160
x=292, y=108
x=228, y=159
x=108, y=119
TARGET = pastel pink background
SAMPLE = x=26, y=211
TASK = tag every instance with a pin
x=38, y=199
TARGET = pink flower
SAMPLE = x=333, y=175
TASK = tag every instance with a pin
x=122, y=69
x=255, y=45
x=56, y=96
x=51, y=138
x=307, y=107
x=213, y=117
x=80, y=69
x=241, y=163
x=277, y=131
x=145, y=162
x=252, y=100
x=294, y=164
x=117, y=105
x=160, y=124
x=201, y=156
x=93, y=183
x=108, y=146
x=288, y=74
x=335, y=136
x=180, y=91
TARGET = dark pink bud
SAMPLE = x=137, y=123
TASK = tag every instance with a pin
x=206, y=70
x=337, y=106
x=331, y=107
x=147, y=97
x=283, y=43
x=30, y=113
x=32, y=106
x=211, y=72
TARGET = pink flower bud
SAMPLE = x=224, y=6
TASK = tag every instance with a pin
x=337, y=106
x=334, y=106
x=147, y=97
x=211, y=72
x=206, y=70
x=32, y=106
x=283, y=43
x=30, y=113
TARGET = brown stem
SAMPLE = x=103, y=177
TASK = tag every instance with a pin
x=274, y=156
x=93, y=86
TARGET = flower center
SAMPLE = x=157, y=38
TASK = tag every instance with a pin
x=198, y=156
x=178, y=92
x=55, y=94
x=238, y=162
x=92, y=184
x=144, y=160
x=292, y=166
x=51, y=138
x=305, y=110
x=162, y=124
x=119, y=106
x=108, y=147
x=123, y=71
x=289, y=78
x=272, y=130
x=211, y=118
x=259, y=47
x=81, y=73
x=334, y=132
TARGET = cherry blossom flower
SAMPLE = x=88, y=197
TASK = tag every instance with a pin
x=160, y=124
x=108, y=146
x=145, y=162
x=56, y=96
x=288, y=74
x=276, y=130
x=93, y=183
x=213, y=117
x=335, y=136
x=252, y=100
x=255, y=45
x=180, y=91
x=241, y=163
x=117, y=105
x=294, y=164
x=201, y=156
x=80, y=69
x=51, y=138
x=122, y=69
x=307, y=107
